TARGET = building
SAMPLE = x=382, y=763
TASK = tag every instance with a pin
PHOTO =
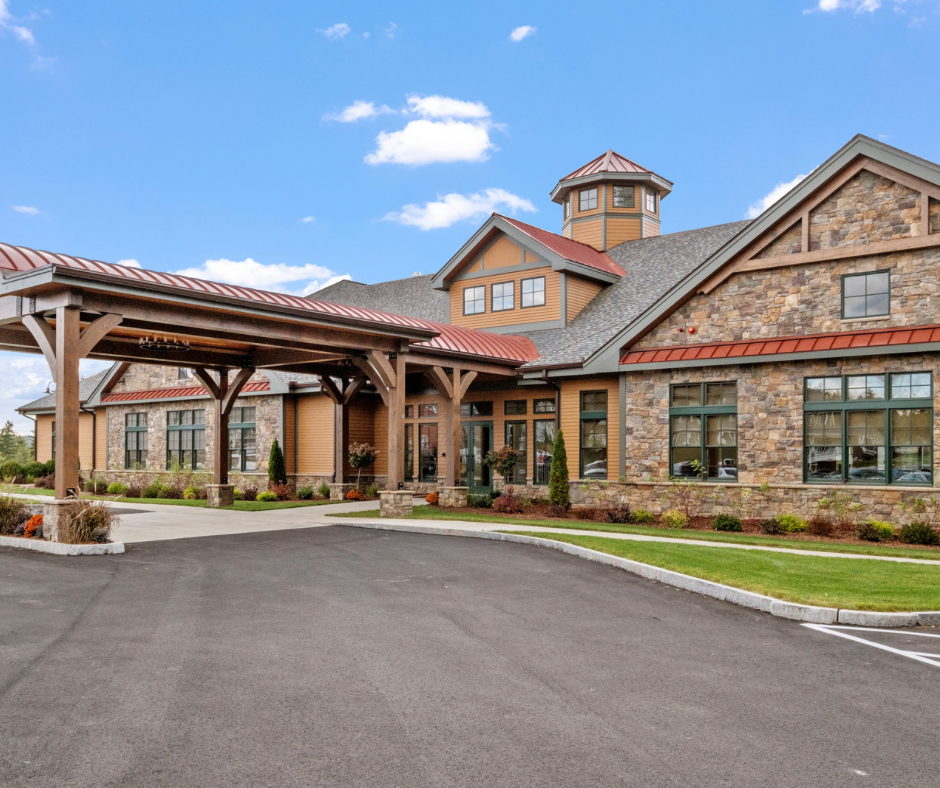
x=797, y=350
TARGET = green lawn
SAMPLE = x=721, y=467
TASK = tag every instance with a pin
x=815, y=545
x=806, y=579
x=30, y=490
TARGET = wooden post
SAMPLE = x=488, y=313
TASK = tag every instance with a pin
x=453, y=432
x=220, y=445
x=396, y=424
x=67, y=332
x=341, y=396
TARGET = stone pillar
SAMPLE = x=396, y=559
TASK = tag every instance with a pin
x=338, y=491
x=453, y=497
x=395, y=503
x=51, y=512
x=219, y=495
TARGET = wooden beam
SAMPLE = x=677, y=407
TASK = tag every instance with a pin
x=381, y=364
x=804, y=232
x=45, y=336
x=204, y=376
x=374, y=377
x=438, y=378
x=468, y=378
x=118, y=374
x=95, y=331
x=235, y=389
x=396, y=425
x=353, y=388
x=340, y=439
x=422, y=359
x=924, y=213
x=904, y=178
x=66, y=359
x=331, y=390
x=220, y=444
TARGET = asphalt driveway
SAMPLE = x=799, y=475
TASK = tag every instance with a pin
x=336, y=656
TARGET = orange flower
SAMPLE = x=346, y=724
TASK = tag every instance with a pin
x=33, y=524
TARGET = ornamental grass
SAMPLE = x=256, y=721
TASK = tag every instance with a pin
x=86, y=522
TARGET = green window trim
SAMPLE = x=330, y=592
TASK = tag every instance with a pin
x=242, y=440
x=868, y=294
x=704, y=429
x=516, y=435
x=428, y=448
x=136, y=441
x=515, y=407
x=544, y=431
x=872, y=440
x=592, y=434
x=186, y=440
x=543, y=406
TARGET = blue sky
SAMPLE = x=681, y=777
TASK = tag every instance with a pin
x=282, y=144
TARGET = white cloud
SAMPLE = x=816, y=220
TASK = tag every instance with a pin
x=522, y=32
x=390, y=30
x=775, y=194
x=250, y=273
x=365, y=35
x=26, y=208
x=308, y=219
x=444, y=107
x=858, y=6
x=313, y=287
x=359, y=110
x=337, y=31
x=453, y=208
x=130, y=263
x=24, y=34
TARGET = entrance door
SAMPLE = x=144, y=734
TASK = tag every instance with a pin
x=476, y=441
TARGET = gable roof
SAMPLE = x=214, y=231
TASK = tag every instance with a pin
x=573, y=251
x=413, y=297
x=86, y=388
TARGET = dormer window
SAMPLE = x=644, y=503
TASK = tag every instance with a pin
x=587, y=200
x=866, y=295
x=624, y=197
x=651, y=196
x=474, y=300
x=533, y=291
x=504, y=296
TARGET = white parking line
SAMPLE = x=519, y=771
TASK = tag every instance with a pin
x=930, y=659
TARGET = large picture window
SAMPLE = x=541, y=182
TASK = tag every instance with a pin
x=474, y=300
x=186, y=439
x=241, y=440
x=866, y=295
x=504, y=296
x=427, y=438
x=868, y=429
x=135, y=441
x=593, y=435
x=544, y=445
x=703, y=431
x=516, y=437
x=533, y=292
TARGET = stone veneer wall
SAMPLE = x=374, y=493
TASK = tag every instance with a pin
x=791, y=242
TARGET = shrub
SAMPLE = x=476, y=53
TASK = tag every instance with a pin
x=354, y=495
x=503, y=461
x=673, y=518
x=116, y=488
x=13, y=512
x=190, y=493
x=791, y=523
x=96, y=486
x=33, y=470
x=152, y=490
x=170, y=492
x=558, y=492
x=559, y=510
x=250, y=492
x=10, y=470
x=132, y=491
x=642, y=516
x=619, y=514
x=361, y=455
x=284, y=492
x=323, y=490
x=371, y=491
x=33, y=527
x=507, y=503
x=87, y=521
x=46, y=482
x=237, y=494
x=266, y=497
x=277, y=470
x=585, y=513
x=820, y=525
x=919, y=533
x=727, y=522
x=432, y=498
x=480, y=501
x=772, y=526
x=872, y=530
x=305, y=493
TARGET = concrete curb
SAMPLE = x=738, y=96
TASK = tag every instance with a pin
x=765, y=604
x=58, y=548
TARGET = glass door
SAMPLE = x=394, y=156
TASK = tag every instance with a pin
x=476, y=441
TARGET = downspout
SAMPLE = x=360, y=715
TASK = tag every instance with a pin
x=557, y=386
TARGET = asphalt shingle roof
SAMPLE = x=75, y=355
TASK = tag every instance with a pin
x=411, y=297
x=85, y=388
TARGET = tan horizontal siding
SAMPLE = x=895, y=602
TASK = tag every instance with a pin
x=621, y=230
x=571, y=421
x=361, y=427
x=502, y=253
x=101, y=438
x=579, y=293
x=588, y=233
x=509, y=317
x=650, y=229
x=44, y=438
x=314, y=434
x=289, y=443
x=576, y=201
x=380, y=436
x=86, y=437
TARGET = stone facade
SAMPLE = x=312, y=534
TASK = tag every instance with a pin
x=395, y=503
x=791, y=242
x=934, y=206
x=453, y=497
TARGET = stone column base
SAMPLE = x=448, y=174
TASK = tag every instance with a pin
x=453, y=497
x=338, y=491
x=219, y=495
x=51, y=512
x=395, y=503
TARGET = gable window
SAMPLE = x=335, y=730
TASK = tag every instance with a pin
x=651, y=200
x=515, y=407
x=866, y=295
x=241, y=440
x=869, y=429
x=504, y=296
x=186, y=439
x=703, y=431
x=624, y=197
x=184, y=373
x=135, y=441
x=593, y=434
x=587, y=200
x=533, y=291
x=474, y=300
x=516, y=437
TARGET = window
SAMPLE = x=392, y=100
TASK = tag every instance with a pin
x=869, y=429
x=651, y=200
x=544, y=445
x=587, y=200
x=427, y=439
x=409, y=411
x=866, y=295
x=516, y=437
x=476, y=409
x=53, y=440
x=516, y=407
x=533, y=292
x=504, y=296
x=427, y=411
x=241, y=440
x=186, y=439
x=474, y=300
x=543, y=406
x=703, y=431
x=184, y=373
x=624, y=197
x=135, y=440
x=409, y=452
x=567, y=206
x=593, y=435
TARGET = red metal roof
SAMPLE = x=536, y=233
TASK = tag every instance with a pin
x=473, y=342
x=839, y=340
x=575, y=251
x=606, y=162
x=185, y=391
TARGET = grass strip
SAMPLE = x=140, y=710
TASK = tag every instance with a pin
x=30, y=490
x=240, y=506
x=806, y=579
x=820, y=545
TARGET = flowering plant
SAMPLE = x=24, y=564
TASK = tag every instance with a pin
x=33, y=526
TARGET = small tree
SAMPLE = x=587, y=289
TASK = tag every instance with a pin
x=504, y=463
x=558, y=492
x=361, y=455
x=277, y=470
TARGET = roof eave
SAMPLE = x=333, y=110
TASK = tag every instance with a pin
x=563, y=187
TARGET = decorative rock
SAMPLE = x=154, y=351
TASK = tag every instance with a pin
x=338, y=491
x=219, y=495
x=453, y=497
x=395, y=503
